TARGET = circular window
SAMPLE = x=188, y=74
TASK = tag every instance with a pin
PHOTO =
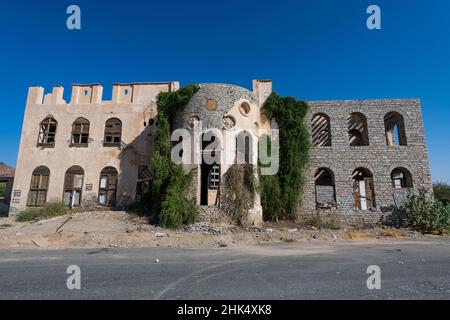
x=229, y=123
x=244, y=108
x=192, y=122
x=211, y=104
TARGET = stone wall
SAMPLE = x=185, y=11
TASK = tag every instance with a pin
x=381, y=159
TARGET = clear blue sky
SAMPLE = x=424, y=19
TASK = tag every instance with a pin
x=311, y=50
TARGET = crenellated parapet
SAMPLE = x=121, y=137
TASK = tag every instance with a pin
x=82, y=94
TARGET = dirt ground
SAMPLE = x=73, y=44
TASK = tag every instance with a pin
x=118, y=229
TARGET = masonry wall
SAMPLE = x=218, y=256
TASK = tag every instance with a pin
x=133, y=104
x=378, y=157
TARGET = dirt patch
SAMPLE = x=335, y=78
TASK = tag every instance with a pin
x=118, y=229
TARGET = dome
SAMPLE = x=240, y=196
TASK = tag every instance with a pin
x=211, y=103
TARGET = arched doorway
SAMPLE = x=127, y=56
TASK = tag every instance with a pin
x=108, y=187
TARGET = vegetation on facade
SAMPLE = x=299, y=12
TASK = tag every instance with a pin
x=2, y=189
x=426, y=214
x=442, y=192
x=168, y=191
x=241, y=186
x=295, y=144
x=49, y=210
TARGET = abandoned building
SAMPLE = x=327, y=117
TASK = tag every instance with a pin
x=6, y=185
x=366, y=155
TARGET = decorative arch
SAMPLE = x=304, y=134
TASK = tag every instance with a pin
x=108, y=187
x=47, y=132
x=358, y=133
x=80, y=132
x=37, y=196
x=363, y=189
x=401, y=178
x=325, y=188
x=321, y=130
x=395, y=131
x=113, y=133
x=73, y=186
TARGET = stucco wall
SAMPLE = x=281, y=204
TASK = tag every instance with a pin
x=133, y=107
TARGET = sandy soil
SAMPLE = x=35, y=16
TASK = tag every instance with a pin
x=117, y=229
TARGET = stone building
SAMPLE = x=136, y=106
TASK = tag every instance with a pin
x=92, y=153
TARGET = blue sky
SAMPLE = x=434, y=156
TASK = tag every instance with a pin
x=312, y=50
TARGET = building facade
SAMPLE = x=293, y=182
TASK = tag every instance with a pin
x=366, y=155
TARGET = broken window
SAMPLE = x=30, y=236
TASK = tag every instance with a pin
x=214, y=177
x=73, y=186
x=39, y=186
x=113, y=133
x=80, y=133
x=363, y=190
x=108, y=187
x=321, y=130
x=401, y=178
x=325, y=189
x=47, y=132
x=394, y=125
x=357, y=130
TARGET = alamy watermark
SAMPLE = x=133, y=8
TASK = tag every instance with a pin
x=374, y=20
x=374, y=280
x=227, y=147
x=73, y=22
x=74, y=280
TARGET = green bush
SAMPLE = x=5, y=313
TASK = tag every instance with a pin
x=49, y=210
x=295, y=144
x=241, y=185
x=426, y=215
x=442, y=192
x=167, y=198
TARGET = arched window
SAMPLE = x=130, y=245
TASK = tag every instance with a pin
x=108, y=187
x=39, y=187
x=73, y=186
x=113, y=133
x=325, y=189
x=363, y=190
x=321, y=130
x=394, y=125
x=47, y=132
x=358, y=133
x=244, y=148
x=80, y=133
x=401, y=178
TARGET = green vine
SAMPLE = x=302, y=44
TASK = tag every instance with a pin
x=168, y=191
x=280, y=194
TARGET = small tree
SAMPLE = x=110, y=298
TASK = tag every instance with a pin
x=426, y=215
x=442, y=192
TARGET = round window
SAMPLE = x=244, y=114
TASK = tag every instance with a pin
x=244, y=108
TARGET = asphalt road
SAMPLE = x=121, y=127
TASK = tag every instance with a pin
x=409, y=270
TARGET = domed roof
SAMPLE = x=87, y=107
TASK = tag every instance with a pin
x=211, y=103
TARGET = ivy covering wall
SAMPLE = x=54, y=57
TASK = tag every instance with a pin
x=167, y=198
x=280, y=194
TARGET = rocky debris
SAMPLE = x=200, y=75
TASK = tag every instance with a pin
x=160, y=234
x=206, y=228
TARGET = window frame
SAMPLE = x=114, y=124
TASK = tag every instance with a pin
x=81, y=132
x=39, y=172
x=43, y=136
x=113, y=133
